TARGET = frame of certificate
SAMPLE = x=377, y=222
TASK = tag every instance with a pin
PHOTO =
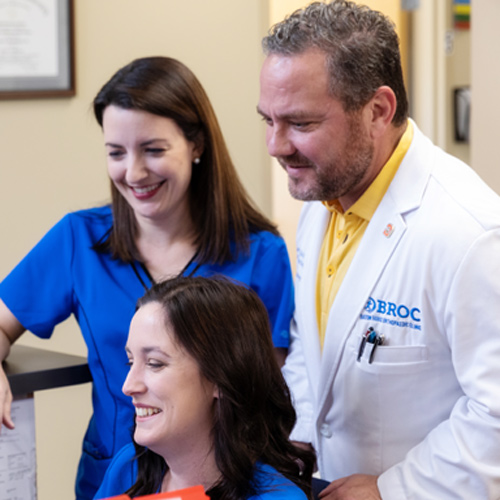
x=36, y=49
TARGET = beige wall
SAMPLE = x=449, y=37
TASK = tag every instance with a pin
x=441, y=61
x=473, y=60
x=485, y=131
x=52, y=158
x=457, y=74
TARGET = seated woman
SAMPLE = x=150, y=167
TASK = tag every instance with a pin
x=212, y=407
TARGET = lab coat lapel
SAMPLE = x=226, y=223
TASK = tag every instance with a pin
x=307, y=265
x=382, y=236
x=379, y=241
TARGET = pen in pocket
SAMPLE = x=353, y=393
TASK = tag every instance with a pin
x=370, y=337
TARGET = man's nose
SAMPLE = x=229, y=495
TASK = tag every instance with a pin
x=278, y=142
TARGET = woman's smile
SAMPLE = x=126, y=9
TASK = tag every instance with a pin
x=146, y=192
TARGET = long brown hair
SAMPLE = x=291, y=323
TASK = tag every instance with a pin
x=224, y=326
x=220, y=207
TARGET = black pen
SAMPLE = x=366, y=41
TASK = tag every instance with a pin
x=379, y=340
x=364, y=339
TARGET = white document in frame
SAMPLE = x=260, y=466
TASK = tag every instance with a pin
x=28, y=38
x=18, y=453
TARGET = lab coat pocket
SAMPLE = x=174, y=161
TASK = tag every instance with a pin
x=392, y=360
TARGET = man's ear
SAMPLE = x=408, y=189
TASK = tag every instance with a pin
x=381, y=109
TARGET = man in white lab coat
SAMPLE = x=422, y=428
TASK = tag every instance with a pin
x=394, y=365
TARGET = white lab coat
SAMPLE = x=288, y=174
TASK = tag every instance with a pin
x=425, y=414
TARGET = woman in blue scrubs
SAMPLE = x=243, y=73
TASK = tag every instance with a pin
x=211, y=404
x=177, y=208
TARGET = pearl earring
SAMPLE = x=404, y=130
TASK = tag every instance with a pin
x=196, y=161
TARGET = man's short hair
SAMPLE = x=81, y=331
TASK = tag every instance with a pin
x=361, y=47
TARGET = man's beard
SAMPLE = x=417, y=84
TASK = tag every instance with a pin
x=338, y=178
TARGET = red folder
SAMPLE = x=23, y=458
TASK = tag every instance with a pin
x=193, y=493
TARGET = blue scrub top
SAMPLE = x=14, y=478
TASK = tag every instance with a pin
x=63, y=275
x=269, y=483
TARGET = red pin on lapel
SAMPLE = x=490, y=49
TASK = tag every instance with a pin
x=388, y=230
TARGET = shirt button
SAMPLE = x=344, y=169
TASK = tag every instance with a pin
x=325, y=431
x=330, y=271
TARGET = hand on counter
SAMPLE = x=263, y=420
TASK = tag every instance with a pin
x=5, y=401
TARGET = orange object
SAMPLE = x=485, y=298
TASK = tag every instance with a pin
x=193, y=493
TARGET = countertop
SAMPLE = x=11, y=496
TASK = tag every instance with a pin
x=30, y=369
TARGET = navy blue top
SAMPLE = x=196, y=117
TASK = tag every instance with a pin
x=269, y=483
x=63, y=275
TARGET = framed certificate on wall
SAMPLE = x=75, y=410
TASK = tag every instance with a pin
x=36, y=49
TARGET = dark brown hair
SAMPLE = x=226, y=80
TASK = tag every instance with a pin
x=361, y=47
x=224, y=326
x=220, y=207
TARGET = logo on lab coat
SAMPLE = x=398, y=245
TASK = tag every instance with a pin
x=392, y=313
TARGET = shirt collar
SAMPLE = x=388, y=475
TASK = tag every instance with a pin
x=368, y=202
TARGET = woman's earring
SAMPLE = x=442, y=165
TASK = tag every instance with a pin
x=196, y=161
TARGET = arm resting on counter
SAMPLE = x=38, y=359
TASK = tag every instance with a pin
x=10, y=331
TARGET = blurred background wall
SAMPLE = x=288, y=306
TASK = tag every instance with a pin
x=52, y=157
